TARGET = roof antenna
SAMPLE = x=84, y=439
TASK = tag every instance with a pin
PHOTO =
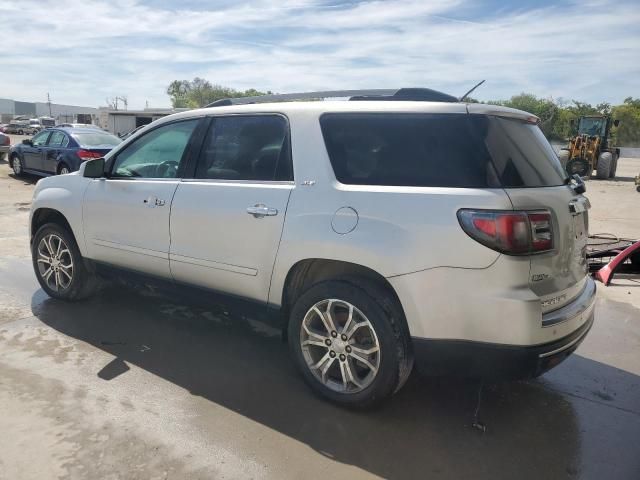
x=471, y=91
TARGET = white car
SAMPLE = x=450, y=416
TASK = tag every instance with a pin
x=382, y=233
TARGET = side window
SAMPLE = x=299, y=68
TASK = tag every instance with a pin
x=158, y=154
x=417, y=150
x=246, y=148
x=58, y=139
x=40, y=139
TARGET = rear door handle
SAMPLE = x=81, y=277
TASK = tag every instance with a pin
x=260, y=210
x=152, y=201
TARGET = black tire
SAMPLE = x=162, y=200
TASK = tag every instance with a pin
x=61, y=167
x=614, y=166
x=20, y=132
x=578, y=166
x=384, y=314
x=83, y=282
x=603, y=169
x=563, y=156
x=16, y=165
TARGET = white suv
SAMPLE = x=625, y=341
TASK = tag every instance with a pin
x=380, y=232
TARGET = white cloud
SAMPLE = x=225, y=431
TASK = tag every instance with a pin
x=82, y=51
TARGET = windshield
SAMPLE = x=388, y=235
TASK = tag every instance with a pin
x=96, y=139
x=592, y=126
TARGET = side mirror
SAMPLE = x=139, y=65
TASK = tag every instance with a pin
x=616, y=122
x=27, y=141
x=94, y=168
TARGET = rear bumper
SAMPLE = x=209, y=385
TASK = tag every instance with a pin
x=506, y=361
x=494, y=361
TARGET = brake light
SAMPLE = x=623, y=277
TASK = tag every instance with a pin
x=87, y=155
x=513, y=233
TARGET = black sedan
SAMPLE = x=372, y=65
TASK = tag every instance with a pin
x=60, y=150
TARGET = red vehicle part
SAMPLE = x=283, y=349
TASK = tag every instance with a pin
x=605, y=274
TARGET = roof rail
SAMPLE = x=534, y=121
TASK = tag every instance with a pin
x=402, y=94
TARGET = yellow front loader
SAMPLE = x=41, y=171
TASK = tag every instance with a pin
x=592, y=149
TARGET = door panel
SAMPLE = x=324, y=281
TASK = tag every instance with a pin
x=216, y=243
x=226, y=223
x=56, y=145
x=126, y=223
x=126, y=216
x=33, y=155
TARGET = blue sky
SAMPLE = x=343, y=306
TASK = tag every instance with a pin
x=83, y=51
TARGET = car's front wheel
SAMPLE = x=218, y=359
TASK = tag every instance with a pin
x=16, y=164
x=350, y=343
x=58, y=264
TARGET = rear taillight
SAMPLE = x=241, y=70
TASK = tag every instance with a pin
x=513, y=233
x=87, y=155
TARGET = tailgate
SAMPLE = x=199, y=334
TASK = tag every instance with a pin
x=557, y=276
x=530, y=173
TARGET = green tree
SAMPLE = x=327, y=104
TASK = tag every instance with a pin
x=200, y=92
x=628, y=132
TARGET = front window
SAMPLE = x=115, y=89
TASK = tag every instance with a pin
x=592, y=126
x=40, y=139
x=157, y=154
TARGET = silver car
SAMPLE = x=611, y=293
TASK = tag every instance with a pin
x=380, y=234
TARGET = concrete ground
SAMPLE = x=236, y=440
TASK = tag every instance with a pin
x=135, y=385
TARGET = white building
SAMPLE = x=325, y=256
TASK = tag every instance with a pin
x=9, y=109
x=123, y=121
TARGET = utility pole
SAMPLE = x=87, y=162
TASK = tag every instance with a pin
x=49, y=103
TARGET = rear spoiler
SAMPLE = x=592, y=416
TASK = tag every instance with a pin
x=498, y=111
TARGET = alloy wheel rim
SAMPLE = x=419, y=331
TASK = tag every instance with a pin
x=55, y=264
x=17, y=166
x=340, y=346
x=64, y=171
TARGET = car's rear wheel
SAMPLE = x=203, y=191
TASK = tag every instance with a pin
x=20, y=132
x=350, y=343
x=16, y=165
x=63, y=169
x=58, y=264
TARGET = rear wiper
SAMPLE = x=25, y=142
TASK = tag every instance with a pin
x=576, y=183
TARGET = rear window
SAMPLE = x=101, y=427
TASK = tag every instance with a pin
x=96, y=139
x=520, y=152
x=441, y=150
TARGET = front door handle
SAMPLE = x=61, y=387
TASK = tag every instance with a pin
x=260, y=210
